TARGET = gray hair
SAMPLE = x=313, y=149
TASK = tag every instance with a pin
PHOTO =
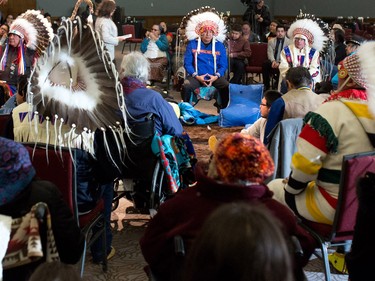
x=136, y=65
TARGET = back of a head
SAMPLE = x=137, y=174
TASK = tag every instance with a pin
x=236, y=27
x=135, y=65
x=105, y=8
x=271, y=96
x=299, y=76
x=241, y=159
x=254, y=249
x=323, y=87
x=55, y=271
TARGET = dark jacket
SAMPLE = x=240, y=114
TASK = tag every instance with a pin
x=185, y=214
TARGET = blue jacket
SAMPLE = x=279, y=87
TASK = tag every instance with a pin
x=205, y=58
x=142, y=101
x=162, y=44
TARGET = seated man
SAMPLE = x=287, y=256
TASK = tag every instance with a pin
x=258, y=128
x=205, y=58
x=308, y=40
x=342, y=125
x=155, y=48
x=274, y=47
x=236, y=173
x=297, y=102
x=239, y=50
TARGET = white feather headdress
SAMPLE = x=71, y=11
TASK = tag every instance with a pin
x=366, y=55
x=77, y=85
x=206, y=20
x=311, y=30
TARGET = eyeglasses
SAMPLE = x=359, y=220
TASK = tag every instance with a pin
x=299, y=39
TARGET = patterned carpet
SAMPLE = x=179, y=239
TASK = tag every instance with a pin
x=128, y=263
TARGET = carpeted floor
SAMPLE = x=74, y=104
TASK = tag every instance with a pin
x=128, y=263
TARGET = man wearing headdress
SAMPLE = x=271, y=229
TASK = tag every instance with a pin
x=16, y=57
x=342, y=125
x=205, y=58
x=308, y=41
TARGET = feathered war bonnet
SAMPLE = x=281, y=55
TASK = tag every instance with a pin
x=76, y=88
x=309, y=30
x=35, y=33
x=201, y=20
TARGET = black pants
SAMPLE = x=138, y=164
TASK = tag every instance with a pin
x=237, y=66
x=221, y=84
x=267, y=72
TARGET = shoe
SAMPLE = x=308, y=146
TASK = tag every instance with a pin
x=110, y=255
x=337, y=260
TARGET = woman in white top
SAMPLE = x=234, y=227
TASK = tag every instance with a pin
x=106, y=27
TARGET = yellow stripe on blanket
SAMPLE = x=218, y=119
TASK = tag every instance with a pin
x=312, y=206
x=305, y=165
x=359, y=109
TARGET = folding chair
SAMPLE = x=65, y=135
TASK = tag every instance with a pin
x=342, y=230
x=58, y=167
x=255, y=62
x=130, y=29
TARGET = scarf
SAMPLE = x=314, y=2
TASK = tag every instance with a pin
x=16, y=170
x=129, y=84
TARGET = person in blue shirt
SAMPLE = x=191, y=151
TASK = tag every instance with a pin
x=205, y=58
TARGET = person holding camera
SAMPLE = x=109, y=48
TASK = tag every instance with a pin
x=258, y=14
x=205, y=58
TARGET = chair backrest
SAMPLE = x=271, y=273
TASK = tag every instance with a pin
x=128, y=29
x=354, y=166
x=258, y=54
x=4, y=120
x=58, y=169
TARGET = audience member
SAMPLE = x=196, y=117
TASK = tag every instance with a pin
x=141, y=101
x=274, y=48
x=297, y=102
x=308, y=41
x=205, y=58
x=155, y=48
x=258, y=128
x=55, y=271
x=271, y=31
x=236, y=173
x=166, y=32
x=261, y=15
x=254, y=249
x=339, y=44
x=9, y=20
x=324, y=89
x=342, y=125
x=239, y=50
x=16, y=57
x=4, y=29
x=106, y=28
x=248, y=34
x=20, y=191
x=352, y=44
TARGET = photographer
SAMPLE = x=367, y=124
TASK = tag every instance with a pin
x=258, y=14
